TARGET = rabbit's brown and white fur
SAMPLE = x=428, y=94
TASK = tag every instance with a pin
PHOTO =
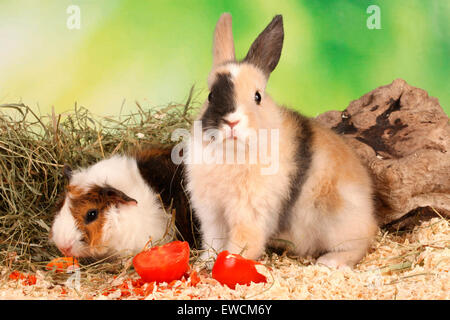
x=320, y=199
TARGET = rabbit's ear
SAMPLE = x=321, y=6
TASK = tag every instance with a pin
x=223, y=47
x=265, y=51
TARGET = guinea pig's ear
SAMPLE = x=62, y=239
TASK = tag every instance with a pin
x=67, y=171
x=116, y=197
x=223, y=47
x=265, y=51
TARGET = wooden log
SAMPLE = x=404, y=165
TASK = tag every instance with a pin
x=403, y=135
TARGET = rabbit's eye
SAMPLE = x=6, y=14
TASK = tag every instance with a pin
x=210, y=96
x=91, y=215
x=257, y=97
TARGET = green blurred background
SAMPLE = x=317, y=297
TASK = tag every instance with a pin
x=154, y=51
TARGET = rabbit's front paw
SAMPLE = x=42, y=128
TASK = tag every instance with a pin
x=247, y=242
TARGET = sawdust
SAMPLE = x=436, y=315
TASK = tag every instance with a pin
x=409, y=265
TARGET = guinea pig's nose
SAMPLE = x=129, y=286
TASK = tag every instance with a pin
x=67, y=251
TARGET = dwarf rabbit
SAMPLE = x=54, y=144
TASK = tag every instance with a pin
x=319, y=197
x=113, y=207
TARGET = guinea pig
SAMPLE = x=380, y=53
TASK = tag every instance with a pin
x=115, y=206
x=313, y=191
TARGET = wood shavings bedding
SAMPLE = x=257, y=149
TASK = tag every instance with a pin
x=413, y=265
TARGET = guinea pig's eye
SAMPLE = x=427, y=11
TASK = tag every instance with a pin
x=257, y=97
x=91, y=215
x=210, y=96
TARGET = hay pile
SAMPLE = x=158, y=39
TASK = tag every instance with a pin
x=33, y=150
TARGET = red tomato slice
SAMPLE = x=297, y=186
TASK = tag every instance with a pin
x=163, y=263
x=231, y=269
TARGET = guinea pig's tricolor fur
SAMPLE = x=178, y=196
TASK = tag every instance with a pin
x=320, y=198
x=114, y=206
x=167, y=179
x=89, y=208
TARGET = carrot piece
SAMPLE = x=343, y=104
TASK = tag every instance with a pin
x=149, y=289
x=30, y=280
x=62, y=264
x=124, y=293
x=195, y=279
x=16, y=275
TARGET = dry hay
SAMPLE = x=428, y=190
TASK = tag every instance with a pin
x=33, y=149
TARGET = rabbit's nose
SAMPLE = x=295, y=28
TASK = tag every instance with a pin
x=232, y=123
